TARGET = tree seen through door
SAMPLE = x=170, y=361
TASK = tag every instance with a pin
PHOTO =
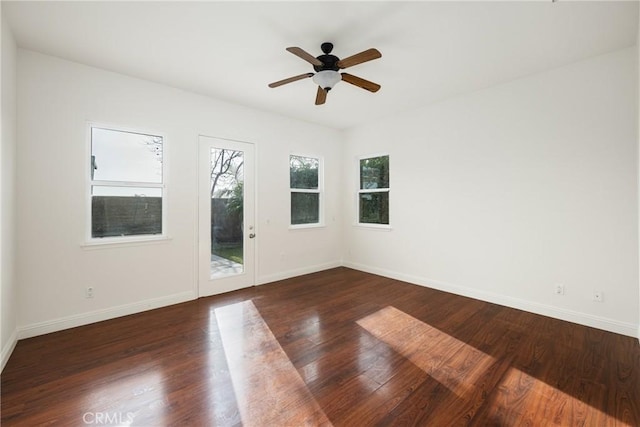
x=227, y=192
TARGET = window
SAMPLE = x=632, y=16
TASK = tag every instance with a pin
x=305, y=181
x=126, y=184
x=373, y=195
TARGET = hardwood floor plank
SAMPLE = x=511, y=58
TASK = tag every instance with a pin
x=371, y=411
x=339, y=347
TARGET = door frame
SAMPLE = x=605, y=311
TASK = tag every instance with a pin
x=204, y=232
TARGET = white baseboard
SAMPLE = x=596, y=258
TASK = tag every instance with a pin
x=298, y=272
x=7, y=349
x=73, y=321
x=67, y=322
x=586, y=319
x=100, y=315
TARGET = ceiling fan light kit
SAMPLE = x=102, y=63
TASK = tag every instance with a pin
x=327, y=79
x=328, y=68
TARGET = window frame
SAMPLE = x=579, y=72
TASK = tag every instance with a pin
x=360, y=191
x=91, y=241
x=319, y=191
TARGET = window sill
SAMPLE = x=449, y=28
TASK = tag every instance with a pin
x=380, y=227
x=118, y=242
x=306, y=226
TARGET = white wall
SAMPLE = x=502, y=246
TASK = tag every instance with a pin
x=55, y=99
x=8, y=292
x=498, y=194
x=502, y=193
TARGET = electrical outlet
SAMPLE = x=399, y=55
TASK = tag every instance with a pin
x=598, y=296
x=88, y=293
x=559, y=289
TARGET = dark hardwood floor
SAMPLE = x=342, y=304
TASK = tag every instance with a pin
x=340, y=347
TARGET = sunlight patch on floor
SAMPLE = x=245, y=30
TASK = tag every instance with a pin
x=435, y=352
x=522, y=399
x=268, y=388
x=516, y=399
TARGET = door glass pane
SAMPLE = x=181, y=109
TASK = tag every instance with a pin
x=227, y=194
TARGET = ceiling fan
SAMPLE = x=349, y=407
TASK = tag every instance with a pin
x=327, y=68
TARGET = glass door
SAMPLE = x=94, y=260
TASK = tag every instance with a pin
x=226, y=215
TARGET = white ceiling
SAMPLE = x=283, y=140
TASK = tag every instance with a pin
x=232, y=50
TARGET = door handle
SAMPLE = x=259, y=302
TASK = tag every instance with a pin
x=252, y=235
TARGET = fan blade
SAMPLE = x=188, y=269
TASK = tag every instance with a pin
x=290, y=79
x=321, y=96
x=359, y=58
x=360, y=82
x=304, y=55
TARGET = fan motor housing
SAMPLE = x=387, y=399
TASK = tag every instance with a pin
x=329, y=62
